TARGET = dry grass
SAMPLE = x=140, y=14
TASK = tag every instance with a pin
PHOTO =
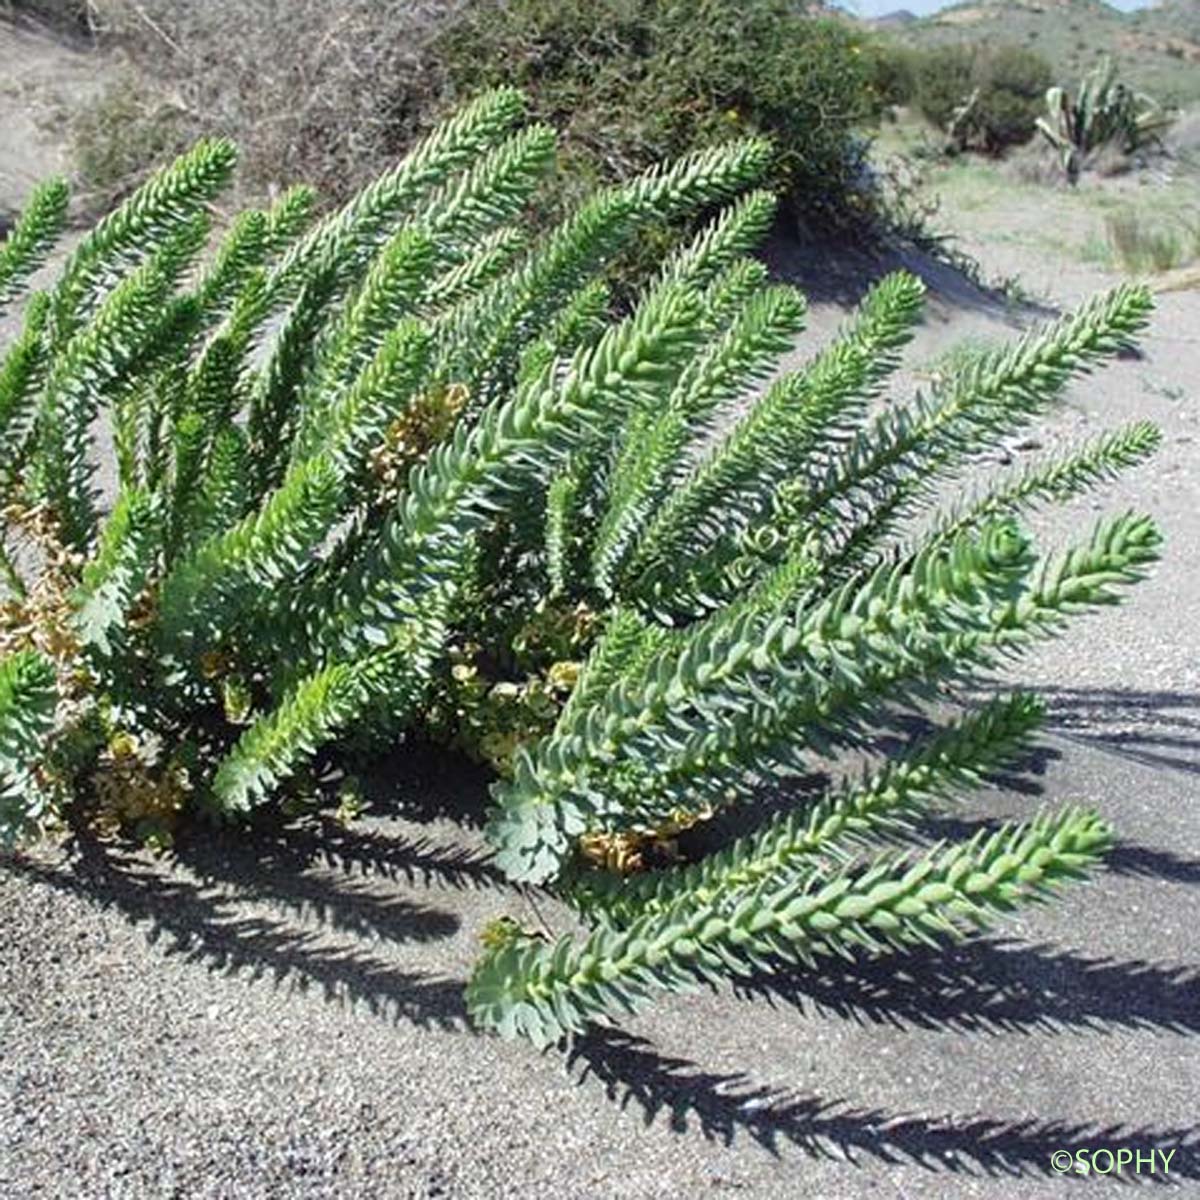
x=1150, y=245
x=1187, y=280
x=1183, y=138
x=1036, y=163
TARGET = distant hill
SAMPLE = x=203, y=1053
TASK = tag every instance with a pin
x=1179, y=16
x=1172, y=27
x=1157, y=49
x=900, y=17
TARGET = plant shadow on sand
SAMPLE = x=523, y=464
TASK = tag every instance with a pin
x=318, y=905
x=833, y=270
x=1157, y=728
x=731, y=1105
x=302, y=906
x=983, y=986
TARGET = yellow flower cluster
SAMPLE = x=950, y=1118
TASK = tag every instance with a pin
x=219, y=666
x=636, y=850
x=490, y=720
x=133, y=793
x=41, y=618
x=427, y=421
x=500, y=933
x=556, y=632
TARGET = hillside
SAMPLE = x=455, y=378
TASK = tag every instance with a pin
x=1157, y=49
x=1180, y=17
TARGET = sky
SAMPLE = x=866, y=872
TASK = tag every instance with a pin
x=922, y=8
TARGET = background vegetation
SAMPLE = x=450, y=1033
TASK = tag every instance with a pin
x=329, y=93
x=631, y=81
x=627, y=82
x=1158, y=49
x=985, y=97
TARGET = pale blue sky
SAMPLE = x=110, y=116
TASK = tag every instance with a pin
x=878, y=8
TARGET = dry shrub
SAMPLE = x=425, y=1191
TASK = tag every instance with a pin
x=326, y=92
x=75, y=15
x=1110, y=160
x=1035, y=163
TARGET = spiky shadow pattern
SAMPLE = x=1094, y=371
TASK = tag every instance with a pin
x=1161, y=729
x=315, y=923
x=730, y=1105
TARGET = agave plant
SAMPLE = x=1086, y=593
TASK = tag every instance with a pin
x=395, y=473
x=1102, y=112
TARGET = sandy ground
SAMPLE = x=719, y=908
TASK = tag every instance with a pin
x=41, y=81
x=284, y=1019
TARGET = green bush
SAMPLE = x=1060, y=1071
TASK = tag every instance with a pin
x=986, y=98
x=398, y=473
x=893, y=72
x=945, y=76
x=1014, y=82
x=630, y=82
